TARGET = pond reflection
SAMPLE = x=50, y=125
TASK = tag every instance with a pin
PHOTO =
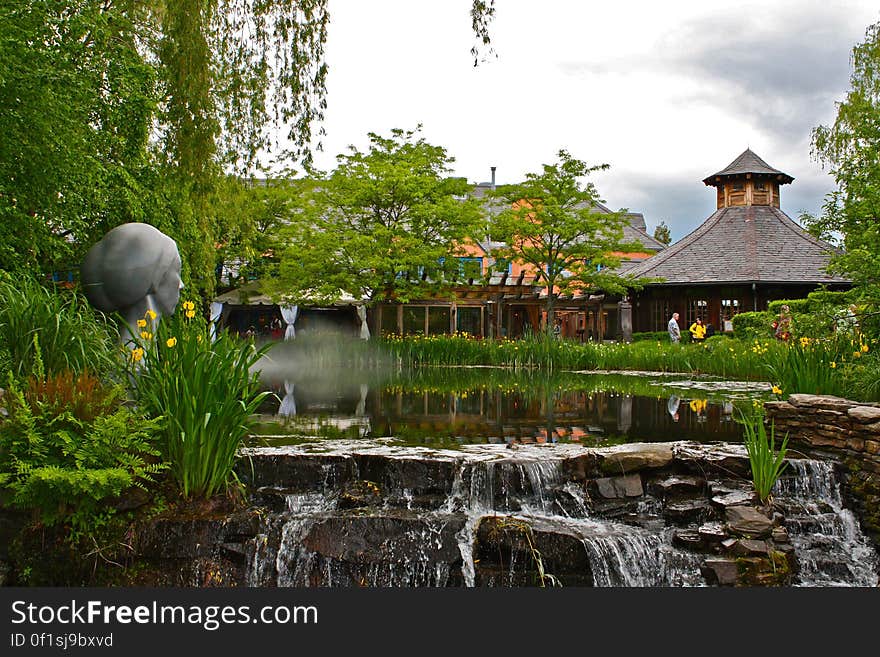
x=446, y=407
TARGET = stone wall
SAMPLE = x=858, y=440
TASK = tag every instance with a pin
x=848, y=432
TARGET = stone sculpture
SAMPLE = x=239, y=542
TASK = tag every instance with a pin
x=133, y=269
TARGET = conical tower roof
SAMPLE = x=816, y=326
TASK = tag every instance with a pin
x=747, y=163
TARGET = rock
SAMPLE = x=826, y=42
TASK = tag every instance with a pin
x=748, y=522
x=733, y=498
x=780, y=535
x=864, y=414
x=713, y=533
x=360, y=493
x=825, y=402
x=720, y=571
x=615, y=487
x=687, y=511
x=679, y=485
x=631, y=457
x=746, y=547
x=688, y=538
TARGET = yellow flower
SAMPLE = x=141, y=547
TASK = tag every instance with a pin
x=151, y=314
x=142, y=323
x=864, y=348
x=170, y=342
x=857, y=354
x=777, y=390
x=833, y=365
x=189, y=305
x=137, y=354
x=146, y=335
x=190, y=314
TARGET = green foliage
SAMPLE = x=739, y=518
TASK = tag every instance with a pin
x=206, y=393
x=77, y=101
x=753, y=325
x=67, y=447
x=851, y=150
x=556, y=225
x=46, y=331
x=662, y=233
x=812, y=366
x=766, y=462
x=384, y=224
x=655, y=336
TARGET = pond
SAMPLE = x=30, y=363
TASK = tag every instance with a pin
x=449, y=407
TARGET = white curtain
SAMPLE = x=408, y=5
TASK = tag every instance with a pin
x=216, y=311
x=289, y=314
x=288, y=404
x=361, y=409
x=362, y=315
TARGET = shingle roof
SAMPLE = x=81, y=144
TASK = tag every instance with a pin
x=747, y=162
x=743, y=244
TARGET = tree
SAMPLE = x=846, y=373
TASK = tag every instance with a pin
x=851, y=149
x=553, y=224
x=77, y=101
x=662, y=233
x=127, y=110
x=385, y=224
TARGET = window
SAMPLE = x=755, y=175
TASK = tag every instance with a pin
x=737, y=187
x=470, y=267
x=389, y=319
x=729, y=308
x=697, y=308
x=438, y=320
x=760, y=186
x=414, y=320
x=469, y=320
x=660, y=314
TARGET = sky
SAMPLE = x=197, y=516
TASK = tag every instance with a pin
x=666, y=93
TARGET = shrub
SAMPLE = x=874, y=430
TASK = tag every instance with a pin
x=59, y=330
x=206, y=392
x=654, y=336
x=67, y=446
x=753, y=326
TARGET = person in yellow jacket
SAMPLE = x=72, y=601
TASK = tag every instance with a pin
x=698, y=330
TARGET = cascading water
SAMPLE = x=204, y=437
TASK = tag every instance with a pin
x=831, y=548
x=425, y=527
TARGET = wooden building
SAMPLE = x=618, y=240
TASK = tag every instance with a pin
x=509, y=304
x=747, y=253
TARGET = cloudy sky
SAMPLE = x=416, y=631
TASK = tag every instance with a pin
x=664, y=92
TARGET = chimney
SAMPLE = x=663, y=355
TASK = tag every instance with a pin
x=493, y=177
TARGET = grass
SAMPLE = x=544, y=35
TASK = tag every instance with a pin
x=60, y=331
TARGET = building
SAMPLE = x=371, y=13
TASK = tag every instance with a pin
x=509, y=304
x=746, y=254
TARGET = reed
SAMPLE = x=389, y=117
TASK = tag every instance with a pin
x=206, y=393
x=767, y=463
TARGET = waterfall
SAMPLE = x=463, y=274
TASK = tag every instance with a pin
x=830, y=546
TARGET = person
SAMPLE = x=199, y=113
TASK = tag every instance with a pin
x=710, y=330
x=698, y=330
x=557, y=329
x=672, y=406
x=782, y=326
x=674, y=330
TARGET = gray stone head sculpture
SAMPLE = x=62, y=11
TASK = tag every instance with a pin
x=133, y=269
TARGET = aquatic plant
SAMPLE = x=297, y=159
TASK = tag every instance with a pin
x=206, y=393
x=767, y=463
